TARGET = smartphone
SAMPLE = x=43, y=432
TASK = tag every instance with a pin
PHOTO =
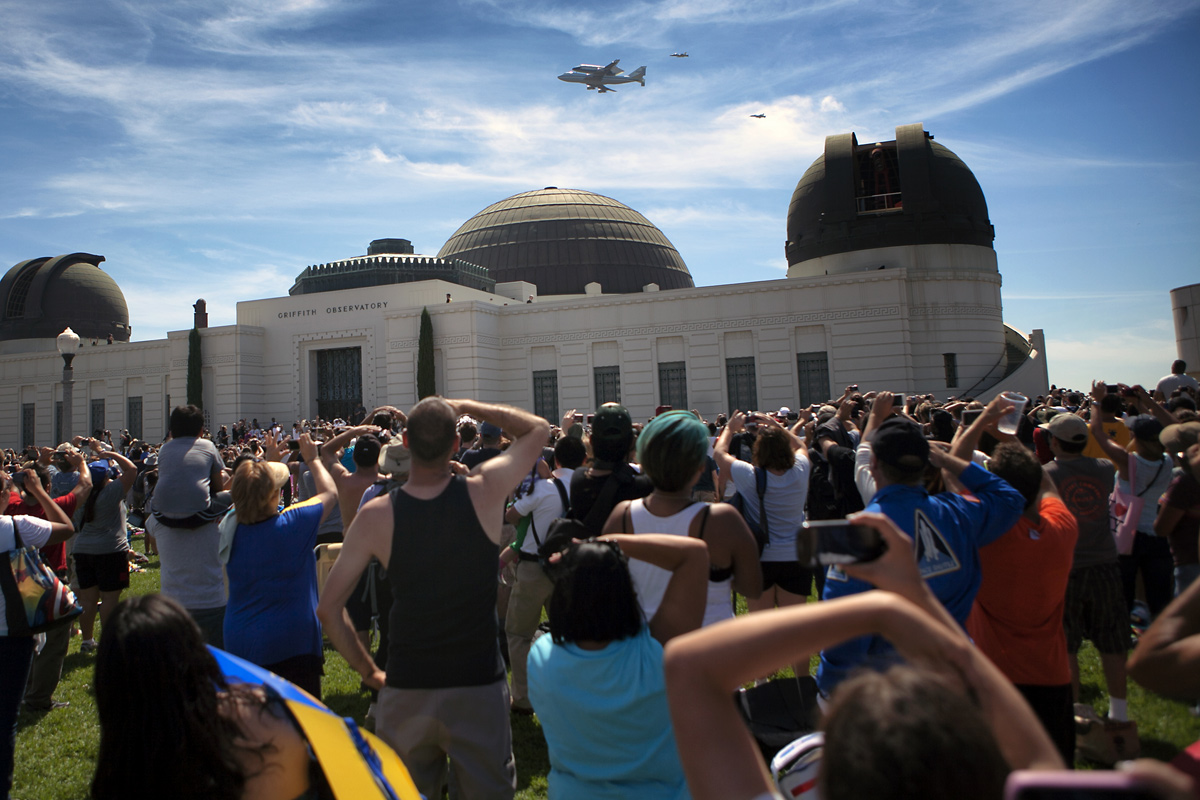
x=1112, y=388
x=590, y=417
x=579, y=417
x=970, y=415
x=293, y=444
x=825, y=542
x=1098, y=785
x=897, y=399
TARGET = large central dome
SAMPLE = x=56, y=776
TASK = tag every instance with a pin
x=563, y=239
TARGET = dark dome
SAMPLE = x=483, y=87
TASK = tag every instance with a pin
x=885, y=194
x=563, y=239
x=42, y=296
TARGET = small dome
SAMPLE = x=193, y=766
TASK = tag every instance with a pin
x=910, y=191
x=42, y=296
x=563, y=239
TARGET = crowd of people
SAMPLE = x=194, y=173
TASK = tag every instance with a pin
x=1012, y=531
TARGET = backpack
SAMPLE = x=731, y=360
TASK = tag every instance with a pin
x=822, y=502
x=760, y=529
x=566, y=528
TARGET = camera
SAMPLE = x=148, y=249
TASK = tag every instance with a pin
x=821, y=543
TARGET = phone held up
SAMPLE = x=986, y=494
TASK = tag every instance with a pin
x=836, y=542
x=1098, y=785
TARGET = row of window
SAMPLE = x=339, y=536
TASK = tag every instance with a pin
x=133, y=420
x=740, y=378
x=812, y=368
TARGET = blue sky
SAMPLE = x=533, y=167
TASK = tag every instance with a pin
x=214, y=149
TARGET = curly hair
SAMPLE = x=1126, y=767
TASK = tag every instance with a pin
x=773, y=449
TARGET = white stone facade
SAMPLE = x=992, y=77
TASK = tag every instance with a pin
x=924, y=318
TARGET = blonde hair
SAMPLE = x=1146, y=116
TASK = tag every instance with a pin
x=255, y=490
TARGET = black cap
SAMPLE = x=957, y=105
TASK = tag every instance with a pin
x=612, y=432
x=899, y=443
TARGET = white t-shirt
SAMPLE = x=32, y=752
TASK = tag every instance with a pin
x=34, y=532
x=545, y=503
x=783, y=502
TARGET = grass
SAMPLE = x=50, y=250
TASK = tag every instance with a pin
x=56, y=750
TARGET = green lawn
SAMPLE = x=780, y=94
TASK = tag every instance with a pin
x=56, y=750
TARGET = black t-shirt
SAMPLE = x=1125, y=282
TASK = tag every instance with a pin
x=741, y=446
x=585, y=491
x=473, y=458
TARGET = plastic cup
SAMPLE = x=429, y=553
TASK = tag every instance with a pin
x=1012, y=420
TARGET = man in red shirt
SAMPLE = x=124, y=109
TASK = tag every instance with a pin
x=1017, y=619
x=46, y=671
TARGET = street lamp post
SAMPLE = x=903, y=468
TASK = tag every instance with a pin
x=68, y=345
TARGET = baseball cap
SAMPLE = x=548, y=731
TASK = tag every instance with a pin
x=99, y=470
x=900, y=443
x=612, y=432
x=490, y=431
x=1067, y=428
x=1180, y=436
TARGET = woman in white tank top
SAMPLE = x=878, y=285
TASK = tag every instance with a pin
x=672, y=451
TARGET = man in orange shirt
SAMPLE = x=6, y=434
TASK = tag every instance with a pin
x=1017, y=619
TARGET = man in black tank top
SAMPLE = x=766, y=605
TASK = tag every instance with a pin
x=444, y=695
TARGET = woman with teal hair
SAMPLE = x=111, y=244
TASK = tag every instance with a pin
x=672, y=451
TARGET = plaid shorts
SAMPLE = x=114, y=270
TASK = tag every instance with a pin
x=1095, y=610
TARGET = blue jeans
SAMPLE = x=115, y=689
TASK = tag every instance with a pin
x=16, y=652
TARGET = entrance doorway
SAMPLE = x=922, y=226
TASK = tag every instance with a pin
x=339, y=382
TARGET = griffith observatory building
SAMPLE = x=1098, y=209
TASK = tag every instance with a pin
x=557, y=299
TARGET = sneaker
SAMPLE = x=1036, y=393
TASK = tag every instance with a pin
x=54, y=706
x=88, y=646
x=1103, y=740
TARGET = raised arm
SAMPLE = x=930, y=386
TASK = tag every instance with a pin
x=61, y=528
x=964, y=446
x=682, y=607
x=495, y=478
x=128, y=468
x=323, y=483
x=1096, y=425
x=83, y=486
x=721, y=452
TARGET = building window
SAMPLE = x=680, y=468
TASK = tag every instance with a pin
x=878, y=178
x=813, y=369
x=28, y=429
x=672, y=384
x=133, y=417
x=739, y=373
x=545, y=394
x=97, y=419
x=58, y=437
x=608, y=385
x=950, y=361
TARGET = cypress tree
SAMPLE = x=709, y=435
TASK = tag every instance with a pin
x=425, y=372
x=195, y=378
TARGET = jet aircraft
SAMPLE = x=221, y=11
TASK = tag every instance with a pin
x=680, y=55
x=759, y=116
x=599, y=78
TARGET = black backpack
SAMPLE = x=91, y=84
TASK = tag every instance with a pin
x=566, y=528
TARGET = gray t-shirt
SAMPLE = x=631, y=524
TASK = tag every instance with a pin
x=185, y=468
x=105, y=532
x=1085, y=484
x=190, y=571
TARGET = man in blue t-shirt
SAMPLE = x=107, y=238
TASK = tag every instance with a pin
x=947, y=529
